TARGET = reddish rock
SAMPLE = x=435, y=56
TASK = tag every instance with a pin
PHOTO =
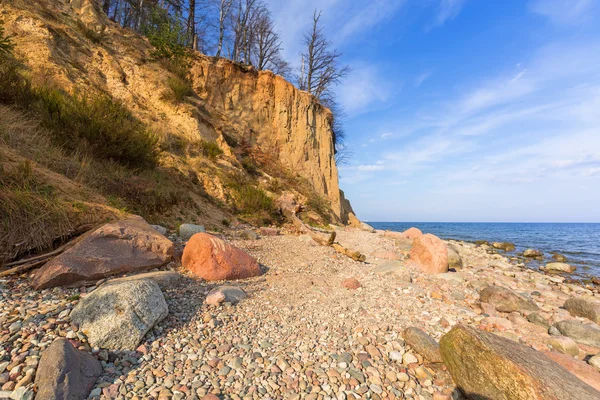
x=430, y=254
x=351, y=283
x=128, y=245
x=269, y=231
x=211, y=397
x=213, y=259
x=580, y=369
x=412, y=233
x=386, y=255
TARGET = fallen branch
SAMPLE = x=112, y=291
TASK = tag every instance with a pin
x=23, y=268
x=353, y=254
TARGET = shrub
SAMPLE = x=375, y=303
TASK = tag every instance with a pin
x=179, y=89
x=14, y=85
x=319, y=205
x=249, y=166
x=102, y=126
x=253, y=200
x=166, y=33
x=6, y=45
x=90, y=33
x=211, y=150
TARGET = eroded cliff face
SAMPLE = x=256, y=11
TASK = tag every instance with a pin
x=257, y=108
x=270, y=112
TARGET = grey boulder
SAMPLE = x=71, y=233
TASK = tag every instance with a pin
x=117, y=315
x=186, y=231
x=579, y=332
x=505, y=300
x=65, y=372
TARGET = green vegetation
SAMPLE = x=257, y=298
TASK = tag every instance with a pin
x=6, y=45
x=179, y=89
x=93, y=35
x=211, y=150
x=166, y=33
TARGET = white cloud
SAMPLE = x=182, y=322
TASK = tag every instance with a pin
x=422, y=78
x=447, y=11
x=385, y=135
x=564, y=12
x=364, y=88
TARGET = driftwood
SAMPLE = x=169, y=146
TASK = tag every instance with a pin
x=33, y=262
x=322, y=238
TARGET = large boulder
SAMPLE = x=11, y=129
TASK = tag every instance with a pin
x=532, y=253
x=186, y=231
x=164, y=279
x=580, y=307
x=505, y=300
x=579, y=332
x=559, y=258
x=559, y=267
x=117, y=315
x=65, y=373
x=125, y=246
x=454, y=258
x=430, y=253
x=214, y=259
x=404, y=244
x=486, y=366
x=412, y=233
x=422, y=343
x=580, y=369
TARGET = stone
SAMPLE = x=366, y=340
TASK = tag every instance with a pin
x=118, y=315
x=393, y=269
x=351, y=283
x=423, y=344
x=538, y=320
x=594, y=361
x=228, y=294
x=532, y=253
x=503, y=246
x=559, y=258
x=160, y=229
x=454, y=258
x=128, y=245
x=430, y=254
x=579, y=332
x=486, y=366
x=563, y=344
x=211, y=396
x=164, y=279
x=505, y=300
x=213, y=259
x=559, y=267
x=265, y=231
x=248, y=235
x=65, y=372
x=186, y=231
x=580, y=369
x=404, y=244
x=412, y=233
x=580, y=307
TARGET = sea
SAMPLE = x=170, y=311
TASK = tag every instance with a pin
x=579, y=242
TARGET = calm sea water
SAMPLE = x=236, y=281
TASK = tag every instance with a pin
x=579, y=242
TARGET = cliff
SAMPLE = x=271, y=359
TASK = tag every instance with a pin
x=238, y=141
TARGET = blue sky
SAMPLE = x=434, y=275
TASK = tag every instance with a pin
x=466, y=110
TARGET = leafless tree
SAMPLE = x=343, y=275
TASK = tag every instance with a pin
x=224, y=10
x=320, y=69
x=267, y=52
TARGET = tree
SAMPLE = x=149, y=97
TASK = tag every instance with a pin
x=267, y=46
x=224, y=9
x=320, y=69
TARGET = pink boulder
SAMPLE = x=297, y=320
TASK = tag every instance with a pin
x=351, y=283
x=412, y=233
x=430, y=253
x=214, y=259
x=128, y=245
x=580, y=369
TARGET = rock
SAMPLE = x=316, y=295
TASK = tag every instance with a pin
x=65, y=372
x=118, y=315
x=422, y=343
x=186, y=231
x=351, y=283
x=532, y=253
x=211, y=397
x=486, y=366
x=563, y=344
x=538, y=320
x=559, y=258
x=125, y=246
x=227, y=294
x=580, y=369
x=213, y=259
x=482, y=243
x=265, y=231
x=386, y=255
x=164, y=279
x=396, y=269
x=366, y=227
x=248, y=235
x=404, y=244
x=21, y=393
x=579, y=332
x=454, y=258
x=160, y=229
x=559, y=267
x=505, y=300
x=503, y=246
x=412, y=233
x=430, y=253
x=580, y=307
x=595, y=361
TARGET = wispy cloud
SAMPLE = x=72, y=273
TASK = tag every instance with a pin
x=565, y=12
x=447, y=10
x=365, y=87
x=422, y=78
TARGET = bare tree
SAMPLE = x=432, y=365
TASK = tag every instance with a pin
x=320, y=69
x=267, y=53
x=224, y=9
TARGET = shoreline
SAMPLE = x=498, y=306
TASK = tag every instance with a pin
x=300, y=333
